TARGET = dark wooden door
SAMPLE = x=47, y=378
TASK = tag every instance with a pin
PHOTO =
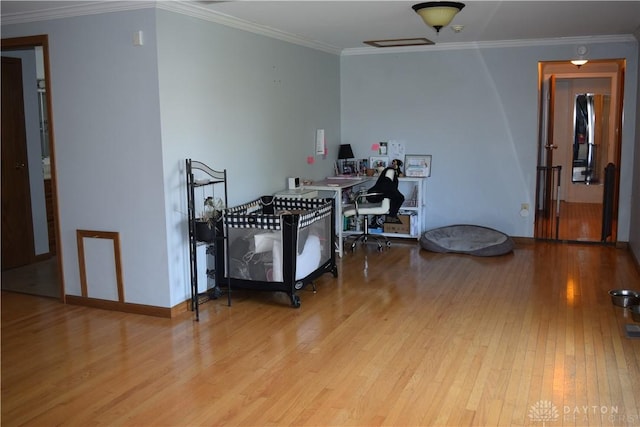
x=17, y=227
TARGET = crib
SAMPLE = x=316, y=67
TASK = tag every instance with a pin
x=278, y=244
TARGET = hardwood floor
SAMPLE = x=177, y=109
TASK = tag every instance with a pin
x=581, y=221
x=578, y=222
x=400, y=338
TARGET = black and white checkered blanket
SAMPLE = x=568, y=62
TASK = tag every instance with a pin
x=252, y=214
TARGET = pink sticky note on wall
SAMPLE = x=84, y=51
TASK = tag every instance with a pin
x=310, y=160
x=375, y=146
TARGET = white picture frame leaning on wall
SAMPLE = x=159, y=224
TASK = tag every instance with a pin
x=417, y=165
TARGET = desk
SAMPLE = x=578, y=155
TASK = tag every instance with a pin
x=297, y=193
x=336, y=186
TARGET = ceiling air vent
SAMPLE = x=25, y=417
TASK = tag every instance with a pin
x=399, y=42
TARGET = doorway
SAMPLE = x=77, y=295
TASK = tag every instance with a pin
x=578, y=171
x=40, y=270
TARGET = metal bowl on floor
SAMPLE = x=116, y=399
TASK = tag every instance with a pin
x=635, y=312
x=624, y=297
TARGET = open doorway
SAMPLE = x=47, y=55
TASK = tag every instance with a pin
x=30, y=255
x=578, y=162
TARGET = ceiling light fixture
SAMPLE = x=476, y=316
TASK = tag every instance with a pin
x=580, y=61
x=438, y=14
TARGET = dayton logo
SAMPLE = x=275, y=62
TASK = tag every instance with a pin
x=544, y=411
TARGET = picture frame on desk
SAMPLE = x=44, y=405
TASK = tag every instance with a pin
x=363, y=165
x=378, y=161
x=417, y=165
x=345, y=168
x=349, y=168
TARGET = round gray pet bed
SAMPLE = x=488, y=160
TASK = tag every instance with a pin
x=467, y=239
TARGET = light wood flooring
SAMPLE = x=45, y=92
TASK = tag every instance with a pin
x=580, y=221
x=400, y=338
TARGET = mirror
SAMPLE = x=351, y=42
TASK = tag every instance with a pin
x=589, y=120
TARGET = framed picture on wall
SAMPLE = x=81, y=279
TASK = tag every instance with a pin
x=417, y=165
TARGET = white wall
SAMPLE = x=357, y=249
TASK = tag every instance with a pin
x=232, y=99
x=241, y=102
x=476, y=112
x=107, y=139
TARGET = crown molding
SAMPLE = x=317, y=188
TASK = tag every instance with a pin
x=195, y=10
x=492, y=44
x=92, y=8
x=189, y=9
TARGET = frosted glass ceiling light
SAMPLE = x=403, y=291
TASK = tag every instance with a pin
x=580, y=61
x=438, y=14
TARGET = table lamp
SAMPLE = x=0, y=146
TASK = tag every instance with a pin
x=344, y=153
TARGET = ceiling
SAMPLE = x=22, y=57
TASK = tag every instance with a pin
x=342, y=25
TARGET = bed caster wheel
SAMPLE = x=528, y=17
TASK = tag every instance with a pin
x=295, y=301
x=334, y=271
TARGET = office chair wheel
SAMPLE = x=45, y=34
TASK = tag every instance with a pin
x=388, y=244
x=380, y=248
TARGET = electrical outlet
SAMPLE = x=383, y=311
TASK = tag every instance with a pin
x=524, y=207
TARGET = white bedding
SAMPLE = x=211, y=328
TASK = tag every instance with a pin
x=306, y=262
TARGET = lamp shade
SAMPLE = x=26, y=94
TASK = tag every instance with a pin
x=438, y=14
x=345, y=152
